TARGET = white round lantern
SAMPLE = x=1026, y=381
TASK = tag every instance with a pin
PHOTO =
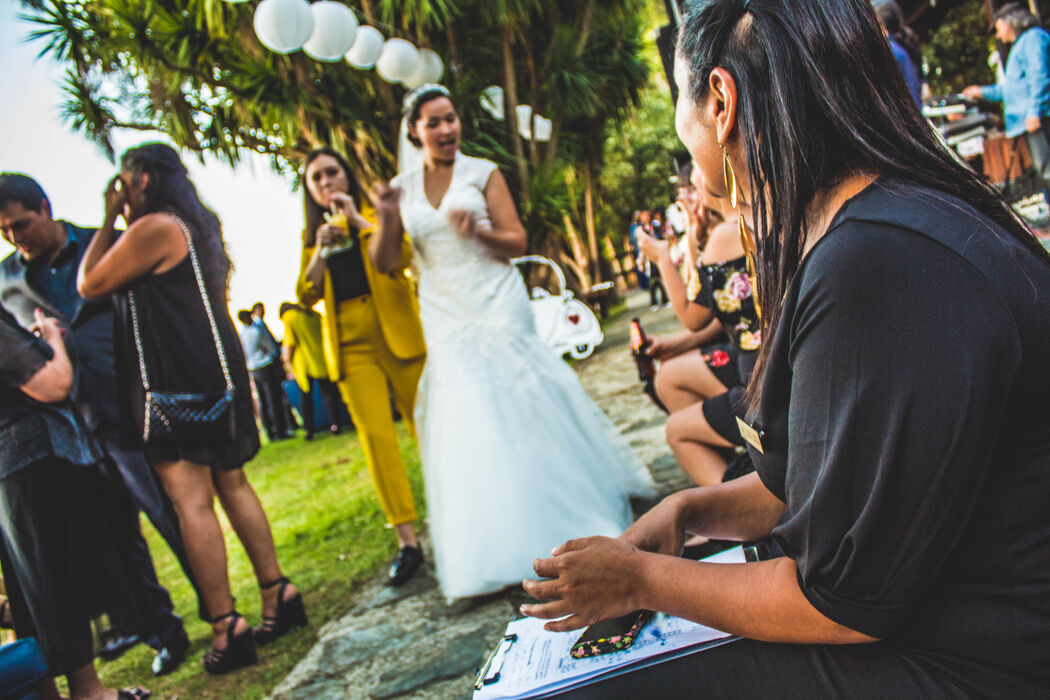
x=335, y=28
x=283, y=26
x=431, y=66
x=429, y=69
x=397, y=61
x=368, y=44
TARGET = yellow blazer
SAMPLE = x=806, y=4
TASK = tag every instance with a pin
x=396, y=304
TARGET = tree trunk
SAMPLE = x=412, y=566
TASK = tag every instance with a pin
x=588, y=218
x=579, y=264
x=455, y=67
x=510, y=93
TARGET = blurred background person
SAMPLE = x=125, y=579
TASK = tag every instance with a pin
x=905, y=46
x=41, y=273
x=1025, y=88
x=302, y=352
x=704, y=392
x=173, y=338
x=373, y=339
x=56, y=549
x=262, y=354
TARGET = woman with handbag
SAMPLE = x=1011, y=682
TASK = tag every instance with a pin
x=187, y=393
x=58, y=562
x=373, y=340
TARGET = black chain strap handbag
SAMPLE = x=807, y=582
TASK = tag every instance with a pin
x=180, y=416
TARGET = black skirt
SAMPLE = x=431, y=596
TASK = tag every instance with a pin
x=59, y=564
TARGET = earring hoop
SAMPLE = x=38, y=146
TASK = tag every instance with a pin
x=747, y=241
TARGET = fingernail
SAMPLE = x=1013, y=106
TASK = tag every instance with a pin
x=524, y=609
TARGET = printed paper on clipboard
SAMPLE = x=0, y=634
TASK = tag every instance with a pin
x=538, y=663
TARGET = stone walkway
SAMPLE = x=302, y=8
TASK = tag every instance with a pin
x=408, y=642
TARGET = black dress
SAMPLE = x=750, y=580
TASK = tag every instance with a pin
x=181, y=356
x=906, y=427
x=56, y=549
x=725, y=288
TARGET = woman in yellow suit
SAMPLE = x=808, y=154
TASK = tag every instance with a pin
x=372, y=335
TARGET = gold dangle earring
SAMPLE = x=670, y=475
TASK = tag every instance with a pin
x=747, y=242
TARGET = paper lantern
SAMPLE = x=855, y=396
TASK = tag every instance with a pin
x=492, y=101
x=432, y=68
x=368, y=44
x=429, y=69
x=335, y=28
x=397, y=61
x=283, y=26
x=524, y=113
x=543, y=129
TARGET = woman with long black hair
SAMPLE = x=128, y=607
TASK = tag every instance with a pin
x=898, y=418
x=168, y=338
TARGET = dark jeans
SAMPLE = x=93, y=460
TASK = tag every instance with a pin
x=1039, y=150
x=332, y=402
x=746, y=669
x=267, y=382
x=657, y=290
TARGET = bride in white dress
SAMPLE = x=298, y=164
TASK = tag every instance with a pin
x=516, y=457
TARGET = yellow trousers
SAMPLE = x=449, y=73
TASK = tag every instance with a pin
x=370, y=371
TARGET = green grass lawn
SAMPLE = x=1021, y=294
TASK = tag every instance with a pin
x=330, y=536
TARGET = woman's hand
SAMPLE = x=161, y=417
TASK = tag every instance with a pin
x=464, y=223
x=662, y=347
x=652, y=247
x=345, y=203
x=590, y=580
x=387, y=200
x=47, y=327
x=115, y=198
x=661, y=530
x=330, y=234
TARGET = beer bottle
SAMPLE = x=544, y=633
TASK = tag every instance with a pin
x=646, y=369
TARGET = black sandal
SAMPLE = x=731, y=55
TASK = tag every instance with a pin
x=291, y=613
x=139, y=693
x=239, y=651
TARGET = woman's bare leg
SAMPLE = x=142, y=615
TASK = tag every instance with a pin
x=685, y=379
x=249, y=521
x=190, y=488
x=692, y=440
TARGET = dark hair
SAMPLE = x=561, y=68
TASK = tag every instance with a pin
x=314, y=212
x=169, y=189
x=286, y=306
x=245, y=317
x=259, y=303
x=412, y=115
x=819, y=98
x=892, y=19
x=16, y=187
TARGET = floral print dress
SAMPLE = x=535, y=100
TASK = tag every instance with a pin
x=725, y=288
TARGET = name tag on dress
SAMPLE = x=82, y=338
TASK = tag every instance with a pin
x=751, y=436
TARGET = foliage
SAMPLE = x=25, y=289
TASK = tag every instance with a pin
x=330, y=537
x=194, y=70
x=639, y=161
x=957, y=52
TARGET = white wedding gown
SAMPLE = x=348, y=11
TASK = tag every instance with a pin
x=516, y=457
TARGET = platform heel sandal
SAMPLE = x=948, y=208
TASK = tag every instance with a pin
x=291, y=613
x=239, y=651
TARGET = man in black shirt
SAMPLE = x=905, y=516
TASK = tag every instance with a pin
x=42, y=273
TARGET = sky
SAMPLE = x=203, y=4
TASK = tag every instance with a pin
x=261, y=215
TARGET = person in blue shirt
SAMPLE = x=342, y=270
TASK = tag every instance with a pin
x=1025, y=89
x=263, y=354
x=904, y=45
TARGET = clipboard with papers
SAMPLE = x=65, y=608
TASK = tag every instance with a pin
x=530, y=662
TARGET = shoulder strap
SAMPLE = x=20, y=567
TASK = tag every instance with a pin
x=207, y=308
